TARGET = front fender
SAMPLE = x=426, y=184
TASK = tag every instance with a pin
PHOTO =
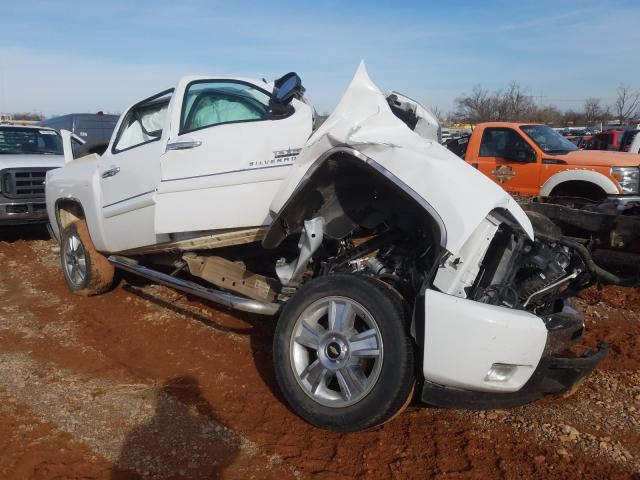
x=589, y=176
x=77, y=182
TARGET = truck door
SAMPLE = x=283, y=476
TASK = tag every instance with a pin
x=226, y=156
x=508, y=159
x=130, y=173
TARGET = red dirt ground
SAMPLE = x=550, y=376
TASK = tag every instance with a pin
x=143, y=382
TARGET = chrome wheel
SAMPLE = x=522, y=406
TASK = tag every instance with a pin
x=336, y=351
x=75, y=260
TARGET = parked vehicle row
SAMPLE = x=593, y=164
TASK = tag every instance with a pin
x=613, y=140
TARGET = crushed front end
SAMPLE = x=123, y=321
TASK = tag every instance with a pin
x=499, y=324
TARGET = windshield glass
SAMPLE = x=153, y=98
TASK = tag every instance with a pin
x=548, y=139
x=29, y=141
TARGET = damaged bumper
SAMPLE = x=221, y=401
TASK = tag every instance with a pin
x=554, y=373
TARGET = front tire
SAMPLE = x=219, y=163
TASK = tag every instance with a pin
x=342, y=354
x=86, y=271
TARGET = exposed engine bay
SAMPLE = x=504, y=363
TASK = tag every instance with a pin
x=509, y=269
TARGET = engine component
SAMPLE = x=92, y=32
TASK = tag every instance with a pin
x=376, y=266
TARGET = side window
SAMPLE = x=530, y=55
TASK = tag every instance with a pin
x=505, y=143
x=212, y=103
x=143, y=123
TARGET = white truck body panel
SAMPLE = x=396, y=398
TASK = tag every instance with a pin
x=235, y=164
x=156, y=191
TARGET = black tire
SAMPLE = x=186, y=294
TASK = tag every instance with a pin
x=388, y=394
x=98, y=273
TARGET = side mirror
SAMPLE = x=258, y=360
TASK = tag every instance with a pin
x=285, y=89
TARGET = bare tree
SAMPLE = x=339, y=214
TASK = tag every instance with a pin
x=626, y=104
x=438, y=113
x=27, y=116
x=593, y=111
x=512, y=104
x=515, y=104
x=478, y=106
x=548, y=114
x=571, y=117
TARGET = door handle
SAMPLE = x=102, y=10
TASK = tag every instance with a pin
x=183, y=144
x=111, y=172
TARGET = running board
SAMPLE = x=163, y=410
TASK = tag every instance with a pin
x=217, y=296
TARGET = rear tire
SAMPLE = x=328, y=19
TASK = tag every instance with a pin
x=86, y=271
x=342, y=353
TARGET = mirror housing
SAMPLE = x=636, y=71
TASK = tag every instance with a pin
x=285, y=89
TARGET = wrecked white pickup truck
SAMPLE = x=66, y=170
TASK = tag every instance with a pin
x=383, y=254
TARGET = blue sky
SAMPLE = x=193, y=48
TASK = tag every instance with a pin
x=63, y=56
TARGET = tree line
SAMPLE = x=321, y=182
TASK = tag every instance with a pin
x=515, y=104
x=27, y=116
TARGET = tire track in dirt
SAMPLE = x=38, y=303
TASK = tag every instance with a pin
x=150, y=334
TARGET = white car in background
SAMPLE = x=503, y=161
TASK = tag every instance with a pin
x=388, y=260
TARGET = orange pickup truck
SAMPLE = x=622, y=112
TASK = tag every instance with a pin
x=535, y=160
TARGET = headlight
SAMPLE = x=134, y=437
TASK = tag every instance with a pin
x=628, y=178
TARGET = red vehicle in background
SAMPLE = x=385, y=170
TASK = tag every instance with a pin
x=607, y=140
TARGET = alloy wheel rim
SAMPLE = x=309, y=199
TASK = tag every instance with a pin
x=336, y=351
x=75, y=260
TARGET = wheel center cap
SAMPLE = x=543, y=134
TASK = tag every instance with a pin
x=333, y=350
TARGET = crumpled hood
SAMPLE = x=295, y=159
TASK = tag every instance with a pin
x=457, y=194
x=30, y=161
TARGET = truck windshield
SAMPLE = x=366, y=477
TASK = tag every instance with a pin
x=548, y=139
x=29, y=141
